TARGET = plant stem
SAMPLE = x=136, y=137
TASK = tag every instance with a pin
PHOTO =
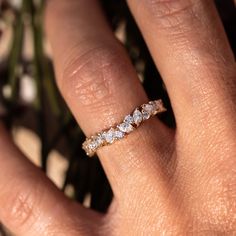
x=38, y=67
x=16, y=52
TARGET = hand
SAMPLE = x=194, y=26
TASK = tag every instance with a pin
x=165, y=182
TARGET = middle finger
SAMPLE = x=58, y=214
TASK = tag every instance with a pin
x=189, y=45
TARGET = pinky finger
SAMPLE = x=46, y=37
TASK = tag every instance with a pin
x=30, y=204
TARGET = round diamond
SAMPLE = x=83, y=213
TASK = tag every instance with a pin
x=110, y=136
x=153, y=104
x=158, y=103
x=137, y=116
x=126, y=127
x=145, y=114
x=149, y=108
x=92, y=145
x=159, y=106
x=129, y=119
x=99, y=140
x=119, y=134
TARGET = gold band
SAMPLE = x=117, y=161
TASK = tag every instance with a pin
x=129, y=124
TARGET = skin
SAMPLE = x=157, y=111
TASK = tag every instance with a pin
x=165, y=182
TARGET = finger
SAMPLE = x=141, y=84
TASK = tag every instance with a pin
x=30, y=204
x=101, y=87
x=189, y=46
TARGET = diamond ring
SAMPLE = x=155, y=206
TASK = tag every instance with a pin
x=129, y=124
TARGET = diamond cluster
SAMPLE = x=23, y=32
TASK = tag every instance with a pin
x=130, y=123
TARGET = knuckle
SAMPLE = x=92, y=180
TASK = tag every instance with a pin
x=171, y=14
x=93, y=76
x=20, y=208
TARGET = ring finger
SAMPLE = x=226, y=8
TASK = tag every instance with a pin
x=100, y=86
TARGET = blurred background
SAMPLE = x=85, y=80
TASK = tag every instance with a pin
x=36, y=115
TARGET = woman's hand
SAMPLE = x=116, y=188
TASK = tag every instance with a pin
x=165, y=182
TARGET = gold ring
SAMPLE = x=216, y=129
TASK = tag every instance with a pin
x=128, y=125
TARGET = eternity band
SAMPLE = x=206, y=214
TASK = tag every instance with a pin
x=129, y=124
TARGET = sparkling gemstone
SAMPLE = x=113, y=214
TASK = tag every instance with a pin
x=125, y=127
x=110, y=136
x=99, y=140
x=119, y=134
x=148, y=110
x=137, y=116
x=153, y=104
x=145, y=114
x=129, y=119
x=159, y=105
x=92, y=145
